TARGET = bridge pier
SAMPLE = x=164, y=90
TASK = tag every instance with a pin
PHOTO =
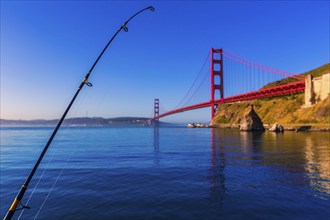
x=216, y=72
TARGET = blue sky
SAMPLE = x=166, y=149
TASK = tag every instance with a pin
x=48, y=46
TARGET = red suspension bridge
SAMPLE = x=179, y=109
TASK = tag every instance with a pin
x=244, y=81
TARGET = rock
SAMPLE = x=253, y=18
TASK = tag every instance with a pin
x=251, y=121
x=303, y=128
x=276, y=128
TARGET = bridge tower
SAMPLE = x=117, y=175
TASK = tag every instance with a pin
x=156, y=112
x=216, y=72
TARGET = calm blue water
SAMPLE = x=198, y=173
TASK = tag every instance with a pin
x=167, y=173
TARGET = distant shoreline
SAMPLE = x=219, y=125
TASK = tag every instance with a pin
x=82, y=121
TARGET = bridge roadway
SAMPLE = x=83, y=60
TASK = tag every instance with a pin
x=281, y=90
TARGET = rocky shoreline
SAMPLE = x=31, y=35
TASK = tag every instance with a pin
x=249, y=120
x=271, y=128
x=294, y=128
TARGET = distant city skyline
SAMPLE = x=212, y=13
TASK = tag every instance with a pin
x=48, y=46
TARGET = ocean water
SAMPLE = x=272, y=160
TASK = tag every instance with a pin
x=166, y=173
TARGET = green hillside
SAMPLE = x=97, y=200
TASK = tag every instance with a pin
x=286, y=110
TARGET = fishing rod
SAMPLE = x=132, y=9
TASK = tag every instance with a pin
x=18, y=198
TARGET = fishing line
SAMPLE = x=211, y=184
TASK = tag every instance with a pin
x=81, y=102
x=58, y=177
x=41, y=176
x=102, y=100
x=35, y=187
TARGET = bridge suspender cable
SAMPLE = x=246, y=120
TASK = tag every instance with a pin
x=18, y=198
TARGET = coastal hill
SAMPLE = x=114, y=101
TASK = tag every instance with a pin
x=286, y=110
x=84, y=121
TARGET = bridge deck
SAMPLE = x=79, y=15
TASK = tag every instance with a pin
x=290, y=88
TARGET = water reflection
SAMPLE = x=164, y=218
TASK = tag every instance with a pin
x=317, y=165
x=156, y=139
x=218, y=164
x=156, y=146
x=251, y=144
x=306, y=155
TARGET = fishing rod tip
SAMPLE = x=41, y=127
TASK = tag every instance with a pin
x=151, y=8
